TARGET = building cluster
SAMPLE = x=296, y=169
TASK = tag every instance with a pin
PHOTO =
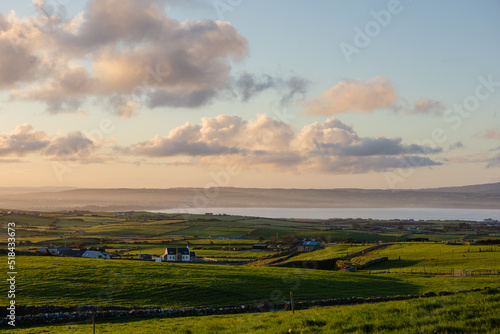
x=85, y=253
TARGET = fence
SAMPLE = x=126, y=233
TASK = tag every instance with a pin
x=447, y=272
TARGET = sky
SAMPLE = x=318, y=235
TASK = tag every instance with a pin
x=239, y=93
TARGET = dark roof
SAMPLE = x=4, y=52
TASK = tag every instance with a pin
x=66, y=251
x=75, y=253
x=259, y=246
x=175, y=251
x=184, y=251
x=171, y=251
x=310, y=243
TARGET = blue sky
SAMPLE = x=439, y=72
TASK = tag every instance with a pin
x=382, y=117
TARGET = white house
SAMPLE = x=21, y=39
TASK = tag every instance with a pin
x=177, y=254
x=96, y=254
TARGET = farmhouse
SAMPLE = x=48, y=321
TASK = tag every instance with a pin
x=96, y=254
x=177, y=255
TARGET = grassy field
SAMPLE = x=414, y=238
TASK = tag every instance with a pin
x=436, y=256
x=136, y=226
x=330, y=252
x=475, y=312
x=44, y=280
x=77, y=281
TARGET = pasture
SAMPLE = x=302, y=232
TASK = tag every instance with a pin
x=474, y=312
x=413, y=268
x=76, y=281
x=435, y=257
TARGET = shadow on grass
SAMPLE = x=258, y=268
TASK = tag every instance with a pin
x=392, y=264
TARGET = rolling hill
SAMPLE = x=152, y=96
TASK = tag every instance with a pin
x=486, y=196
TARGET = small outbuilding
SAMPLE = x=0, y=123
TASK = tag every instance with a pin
x=145, y=257
x=309, y=245
x=259, y=247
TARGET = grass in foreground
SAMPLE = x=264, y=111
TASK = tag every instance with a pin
x=77, y=281
x=475, y=312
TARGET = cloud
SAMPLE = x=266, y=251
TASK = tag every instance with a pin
x=119, y=48
x=123, y=106
x=18, y=59
x=428, y=107
x=221, y=135
x=248, y=85
x=358, y=165
x=9, y=161
x=164, y=147
x=266, y=143
x=494, y=161
x=493, y=133
x=75, y=144
x=456, y=145
x=353, y=95
x=384, y=146
x=295, y=86
x=195, y=99
x=191, y=4
x=23, y=140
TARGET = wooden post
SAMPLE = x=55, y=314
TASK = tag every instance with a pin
x=291, y=301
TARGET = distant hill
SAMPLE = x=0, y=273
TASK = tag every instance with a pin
x=490, y=188
x=485, y=196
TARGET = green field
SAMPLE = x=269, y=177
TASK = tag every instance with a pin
x=436, y=257
x=77, y=281
x=413, y=268
x=330, y=252
x=475, y=312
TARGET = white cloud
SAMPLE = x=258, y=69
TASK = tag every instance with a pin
x=331, y=146
x=23, y=140
x=353, y=95
x=75, y=146
x=125, y=48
